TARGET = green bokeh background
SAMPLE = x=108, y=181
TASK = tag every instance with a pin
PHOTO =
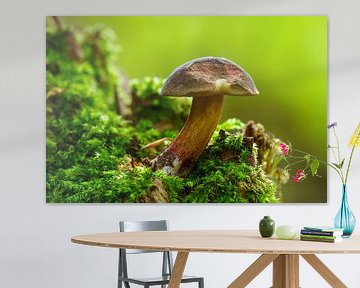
x=285, y=55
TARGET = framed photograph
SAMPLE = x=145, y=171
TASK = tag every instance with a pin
x=186, y=109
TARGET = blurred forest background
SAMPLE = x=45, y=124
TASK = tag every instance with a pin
x=285, y=55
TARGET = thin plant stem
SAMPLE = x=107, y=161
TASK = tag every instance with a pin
x=337, y=170
x=350, y=159
x=333, y=152
x=292, y=164
x=343, y=208
x=323, y=162
x=338, y=145
x=304, y=153
x=339, y=161
x=295, y=157
x=348, y=166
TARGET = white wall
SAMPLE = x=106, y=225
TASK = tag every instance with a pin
x=35, y=248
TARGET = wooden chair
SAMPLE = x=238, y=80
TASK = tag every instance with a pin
x=167, y=262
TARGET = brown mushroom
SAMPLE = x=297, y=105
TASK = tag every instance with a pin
x=207, y=80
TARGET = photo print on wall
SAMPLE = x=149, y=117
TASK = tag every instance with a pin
x=186, y=109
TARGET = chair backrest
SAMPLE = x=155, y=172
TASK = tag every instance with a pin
x=134, y=226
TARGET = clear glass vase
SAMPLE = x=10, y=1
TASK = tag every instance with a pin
x=345, y=219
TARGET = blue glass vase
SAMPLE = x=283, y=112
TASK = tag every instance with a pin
x=345, y=219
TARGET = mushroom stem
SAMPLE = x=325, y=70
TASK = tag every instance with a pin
x=185, y=150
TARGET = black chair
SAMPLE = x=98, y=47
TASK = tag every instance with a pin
x=167, y=265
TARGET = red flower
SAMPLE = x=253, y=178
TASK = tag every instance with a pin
x=299, y=175
x=284, y=149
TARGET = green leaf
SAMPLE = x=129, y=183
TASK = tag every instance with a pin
x=336, y=165
x=314, y=167
x=339, y=166
x=342, y=163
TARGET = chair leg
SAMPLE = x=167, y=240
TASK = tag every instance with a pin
x=120, y=272
x=164, y=266
x=201, y=283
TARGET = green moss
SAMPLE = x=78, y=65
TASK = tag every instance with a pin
x=165, y=112
x=226, y=174
x=222, y=175
x=86, y=140
x=94, y=154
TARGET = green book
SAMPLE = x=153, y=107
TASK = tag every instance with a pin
x=319, y=236
x=325, y=240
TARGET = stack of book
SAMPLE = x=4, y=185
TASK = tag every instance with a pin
x=321, y=234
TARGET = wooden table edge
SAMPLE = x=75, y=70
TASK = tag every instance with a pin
x=203, y=250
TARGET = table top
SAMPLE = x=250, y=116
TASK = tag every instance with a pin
x=216, y=241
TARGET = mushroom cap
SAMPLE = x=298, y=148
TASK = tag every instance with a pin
x=209, y=76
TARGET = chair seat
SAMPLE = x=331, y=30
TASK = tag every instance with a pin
x=158, y=280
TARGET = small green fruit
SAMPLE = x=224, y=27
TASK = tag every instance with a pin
x=285, y=232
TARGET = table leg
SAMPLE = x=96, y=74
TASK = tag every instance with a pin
x=286, y=271
x=178, y=269
x=324, y=271
x=253, y=270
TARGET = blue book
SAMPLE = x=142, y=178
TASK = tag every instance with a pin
x=322, y=231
